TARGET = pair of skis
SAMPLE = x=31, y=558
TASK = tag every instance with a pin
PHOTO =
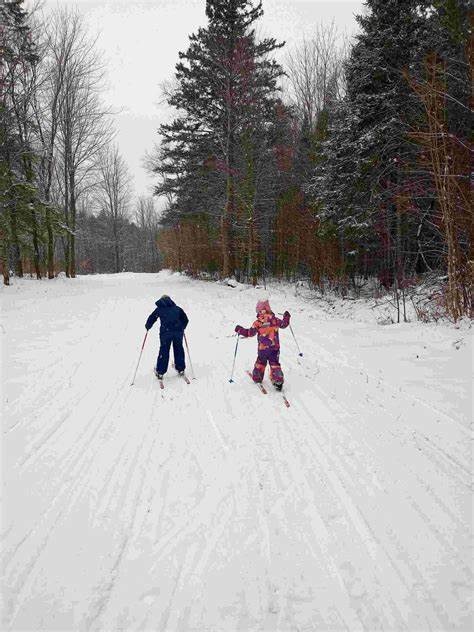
x=264, y=391
x=162, y=384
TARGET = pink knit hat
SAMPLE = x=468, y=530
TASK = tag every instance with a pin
x=263, y=306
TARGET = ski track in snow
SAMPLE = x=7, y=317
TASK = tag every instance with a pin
x=211, y=506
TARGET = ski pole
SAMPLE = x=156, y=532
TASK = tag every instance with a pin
x=139, y=358
x=235, y=355
x=296, y=342
x=293, y=333
x=189, y=356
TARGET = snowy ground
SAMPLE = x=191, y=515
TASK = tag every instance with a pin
x=212, y=506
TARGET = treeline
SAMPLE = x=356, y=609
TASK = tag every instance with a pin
x=349, y=163
x=120, y=245
x=65, y=192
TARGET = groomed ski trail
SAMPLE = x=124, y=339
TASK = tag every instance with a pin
x=208, y=506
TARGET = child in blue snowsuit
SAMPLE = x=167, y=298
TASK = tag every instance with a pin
x=173, y=322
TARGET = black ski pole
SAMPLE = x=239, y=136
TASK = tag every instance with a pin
x=296, y=342
x=294, y=337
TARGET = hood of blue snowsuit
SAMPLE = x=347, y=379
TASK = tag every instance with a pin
x=173, y=319
x=165, y=301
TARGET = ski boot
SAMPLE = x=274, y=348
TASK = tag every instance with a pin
x=159, y=375
x=278, y=385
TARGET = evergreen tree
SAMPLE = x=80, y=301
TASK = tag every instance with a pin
x=362, y=177
x=19, y=202
x=226, y=97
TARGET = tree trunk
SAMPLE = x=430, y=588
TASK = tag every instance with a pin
x=50, y=245
x=442, y=165
x=66, y=217
x=72, y=238
x=49, y=227
x=116, y=248
x=28, y=171
x=230, y=192
x=5, y=246
x=16, y=245
x=225, y=227
x=250, y=264
x=398, y=273
x=36, y=253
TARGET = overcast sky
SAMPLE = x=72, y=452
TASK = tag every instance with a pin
x=140, y=43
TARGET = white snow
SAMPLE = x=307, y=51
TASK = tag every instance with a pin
x=212, y=507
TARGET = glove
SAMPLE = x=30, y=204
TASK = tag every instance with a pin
x=238, y=329
x=147, y=327
x=286, y=315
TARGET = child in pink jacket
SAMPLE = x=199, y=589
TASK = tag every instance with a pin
x=266, y=328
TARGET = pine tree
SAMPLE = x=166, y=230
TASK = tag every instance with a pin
x=226, y=95
x=363, y=175
x=19, y=203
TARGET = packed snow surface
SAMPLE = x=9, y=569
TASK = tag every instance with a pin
x=212, y=507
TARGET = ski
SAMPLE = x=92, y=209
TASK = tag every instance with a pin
x=160, y=380
x=259, y=384
x=264, y=390
x=285, y=401
x=162, y=384
x=185, y=378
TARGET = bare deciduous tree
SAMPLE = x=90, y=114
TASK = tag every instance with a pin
x=147, y=221
x=447, y=160
x=82, y=125
x=315, y=73
x=114, y=192
x=58, y=36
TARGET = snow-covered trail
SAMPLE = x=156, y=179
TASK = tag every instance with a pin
x=210, y=506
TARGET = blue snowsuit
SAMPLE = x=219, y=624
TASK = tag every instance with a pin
x=173, y=322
